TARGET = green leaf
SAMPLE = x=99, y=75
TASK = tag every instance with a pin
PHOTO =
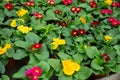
x=10, y=52
x=96, y=64
x=83, y=74
x=43, y=53
x=115, y=68
x=117, y=48
x=6, y=32
x=65, y=31
x=78, y=57
x=20, y=54
x=50, y=15
x=22, y=44
x=2, y=68
x=32, y=38
x=21, y=72
x=44, y=66
x=5, y=77
x=62, y=76
x=92, y=52
x=2, y=15
x=33, y=60
x=111, y=63
x=63, y=56
x=55, y=64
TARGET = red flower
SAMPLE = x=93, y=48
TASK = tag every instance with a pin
x=110, y=19
x=74, y=32
x=51, y=2
x=37, y=15
x=93, y=4
x=36, y=46
x=58, y=12
x=63, y=24
x=81, y=31
x=115, y=23
x=29, y=3
x=8, y=6
x=106, y=57
x=83, y=1
x=94, y=23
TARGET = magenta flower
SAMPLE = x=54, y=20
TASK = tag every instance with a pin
x=110, y=19
x=67, y=2
x=94, y=23
x=106, y=11
x=33, y=73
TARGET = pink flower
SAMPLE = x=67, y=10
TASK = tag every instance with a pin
x=33, y=73
x=115, y=23
x=106, y=11
x=67, y=2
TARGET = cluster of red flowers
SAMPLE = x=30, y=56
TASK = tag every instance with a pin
x=115, y=4
x=75, y=9
x=51, y=2
x=29, y=3
x=36, y=46
x=106, y=11
x=106, y=57
x=94, y=23
x=78, y=32
x=33, y=73
x=114, y=21
x=93, y=4
x=67, y=2
x=37, y=15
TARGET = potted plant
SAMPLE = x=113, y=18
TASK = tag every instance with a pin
x=68, y=39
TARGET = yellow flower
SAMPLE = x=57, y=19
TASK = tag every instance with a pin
x=109, y=2
x=56, y=42
x=107, y=38
x=7, y=46
x=24, y=29
x=13, y=23
x=21, y=12
x=3, y=50
x=83, y=20
x=70, y=67
x=7, y=0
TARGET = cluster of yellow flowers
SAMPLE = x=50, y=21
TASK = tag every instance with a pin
x=24, y=29
x=21, y=12
x=107, y=38
x=83, y=20
x=4, y=49
x=70, y=67
x=109, y=2
x=56, y=42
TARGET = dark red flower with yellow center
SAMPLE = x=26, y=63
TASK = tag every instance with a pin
x=74, y=32
x=81, y=31
x=36, y=46
x=106, y=57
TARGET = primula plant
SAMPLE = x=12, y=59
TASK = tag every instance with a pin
x=69, y=39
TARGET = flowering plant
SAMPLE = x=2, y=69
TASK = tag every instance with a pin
x=69, y=39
